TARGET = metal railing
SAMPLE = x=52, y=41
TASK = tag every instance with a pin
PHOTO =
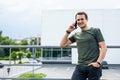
x=34, y=65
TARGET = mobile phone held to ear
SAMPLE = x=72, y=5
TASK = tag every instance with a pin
x=75, y=25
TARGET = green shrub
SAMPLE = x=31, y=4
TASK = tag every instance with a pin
x=4, y=58
x=30, y=75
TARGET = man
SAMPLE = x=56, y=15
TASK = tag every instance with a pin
x=91, y=48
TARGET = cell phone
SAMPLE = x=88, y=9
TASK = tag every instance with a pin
x=75, y=25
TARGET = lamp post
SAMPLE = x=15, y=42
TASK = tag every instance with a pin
x=33, y=56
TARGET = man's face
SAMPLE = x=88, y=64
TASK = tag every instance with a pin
x=81, y=21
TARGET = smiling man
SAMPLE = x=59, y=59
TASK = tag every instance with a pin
x=91, y=48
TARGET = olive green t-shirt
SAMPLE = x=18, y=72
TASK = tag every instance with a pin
x=87, y=44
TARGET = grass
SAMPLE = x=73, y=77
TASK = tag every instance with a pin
x=30, y=75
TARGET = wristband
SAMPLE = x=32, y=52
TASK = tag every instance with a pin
x=68, y=32
x=98, y=63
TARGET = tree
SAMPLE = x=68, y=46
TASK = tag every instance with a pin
x=23, y=42
x=14, y=56
x=20, y=55
x=5, y=41
x=29, y=54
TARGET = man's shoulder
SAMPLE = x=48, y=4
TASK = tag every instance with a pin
x=95, y=28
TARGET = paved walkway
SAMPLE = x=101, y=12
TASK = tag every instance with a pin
x=65, y=71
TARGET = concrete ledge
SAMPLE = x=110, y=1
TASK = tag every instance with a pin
x=57, y=79
x=50, y=79
x=37, y=79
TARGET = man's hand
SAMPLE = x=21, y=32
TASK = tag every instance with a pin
x=71, y=27
x=95, y=64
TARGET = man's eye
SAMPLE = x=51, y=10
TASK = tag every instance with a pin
x=80, y=19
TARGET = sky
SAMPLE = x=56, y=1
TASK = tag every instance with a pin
x=21, y=19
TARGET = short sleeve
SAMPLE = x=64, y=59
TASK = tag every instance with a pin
x=98, y=34
x=72, y=39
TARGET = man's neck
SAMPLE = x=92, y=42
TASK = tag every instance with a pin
x=85, y=28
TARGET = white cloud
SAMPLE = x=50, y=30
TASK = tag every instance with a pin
x=37, y=5
x=27, y=13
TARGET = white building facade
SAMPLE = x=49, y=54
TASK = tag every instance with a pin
x=55, y=23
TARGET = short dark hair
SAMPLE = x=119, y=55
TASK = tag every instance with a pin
x=82, y=13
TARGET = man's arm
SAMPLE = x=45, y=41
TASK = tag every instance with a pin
x=103, y=50
x=65, y=41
